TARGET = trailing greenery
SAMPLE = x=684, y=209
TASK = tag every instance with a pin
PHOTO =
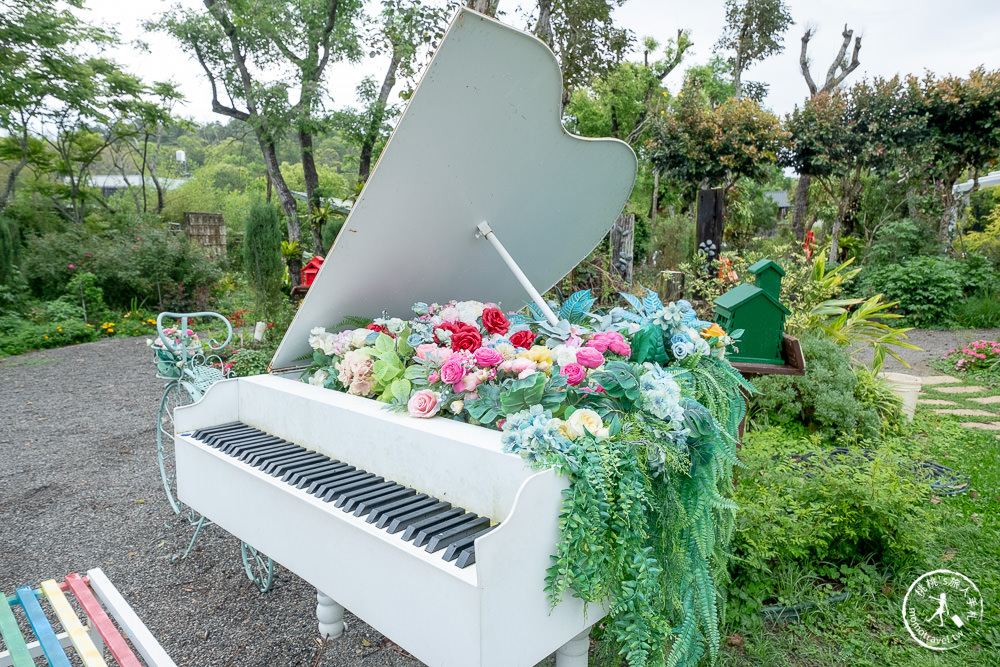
x=646, y=522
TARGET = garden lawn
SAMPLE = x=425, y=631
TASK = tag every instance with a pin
x=867, y=628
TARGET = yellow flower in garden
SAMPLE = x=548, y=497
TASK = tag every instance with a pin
x=538, y=353
x=714, y=331
x=59, y=329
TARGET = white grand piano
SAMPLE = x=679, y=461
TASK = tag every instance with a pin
x=444, y=544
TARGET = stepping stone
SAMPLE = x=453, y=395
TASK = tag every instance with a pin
x=986, y=426
x=935, y=401
x=959, y=390
x=986, y=400
x=964, y=412
x=938, y=379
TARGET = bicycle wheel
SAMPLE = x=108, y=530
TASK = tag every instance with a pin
x=258, y=566
x=175, y=394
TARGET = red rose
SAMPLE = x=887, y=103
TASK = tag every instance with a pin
x=379, y=328
x=522, y=339
x=463, y=336
x=494, y=321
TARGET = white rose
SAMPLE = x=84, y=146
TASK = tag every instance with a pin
x=395, y=325
x=585, y=418
x=564, y=354
x=318, y=378
x=469, y=311
x=358, y=337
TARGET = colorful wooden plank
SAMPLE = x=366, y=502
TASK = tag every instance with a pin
x=53, y=651
x=141, y=637
x=82, y=642
x=16, y=647
x=100, y=620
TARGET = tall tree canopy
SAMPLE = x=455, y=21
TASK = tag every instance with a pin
x=754, y=31
x=237, y=41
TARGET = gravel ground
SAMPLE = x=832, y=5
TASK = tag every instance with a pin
x=79, y=488
x=934, y=343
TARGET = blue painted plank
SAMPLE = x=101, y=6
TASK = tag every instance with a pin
x=54, y=653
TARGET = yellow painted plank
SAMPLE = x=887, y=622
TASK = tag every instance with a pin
x=71, y=624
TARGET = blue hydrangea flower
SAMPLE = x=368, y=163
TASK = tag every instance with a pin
x=661, y=395
x=533, y=434
x=669, y=318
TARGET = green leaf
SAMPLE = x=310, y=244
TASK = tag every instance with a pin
x=647, y=345
x=522, y=394
x=401, y=390
x=385, y=343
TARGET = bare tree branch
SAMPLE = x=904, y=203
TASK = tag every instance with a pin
x=804, y=62
x=217, y=106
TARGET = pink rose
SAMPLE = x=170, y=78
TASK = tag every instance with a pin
x=467, y=383
x=487, y=356
x=617, y=344
x=520, y=365
x=452, y=371
x=432, y=377
x=575, y=373
x=423, y=404
x=599, y=342
x=431, y=352
x=589, y=357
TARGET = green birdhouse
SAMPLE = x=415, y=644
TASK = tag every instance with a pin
x=756, y=310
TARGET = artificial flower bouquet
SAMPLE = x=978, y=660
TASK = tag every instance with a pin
x=170, y=356
x=636, y=406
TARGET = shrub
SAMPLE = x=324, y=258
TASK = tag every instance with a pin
x=822, y=512
x=247, y=361
x=823, y=400
x=20, y=335
x=900, y=238
x=262, y=257
x=926, y=288
x=7, y=249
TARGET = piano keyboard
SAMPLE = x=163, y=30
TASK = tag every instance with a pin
x=425, y=521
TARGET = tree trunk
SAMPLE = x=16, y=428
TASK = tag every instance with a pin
x=801, y=210
x=287, y=201
x=543, y=30
x=378, y=113
x=488, y=7
x=623, y=246
x=834, y=243
x=655, y=201
x=949, y=216
x=312, y=187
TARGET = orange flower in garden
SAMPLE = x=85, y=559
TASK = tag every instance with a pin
x=714, y=331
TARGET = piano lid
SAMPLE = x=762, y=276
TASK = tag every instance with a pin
x=480, y=140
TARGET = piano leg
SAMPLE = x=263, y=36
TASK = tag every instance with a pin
x=330, y=615
x=574, y=652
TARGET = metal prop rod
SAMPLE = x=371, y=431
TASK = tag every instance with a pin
x=487, y=233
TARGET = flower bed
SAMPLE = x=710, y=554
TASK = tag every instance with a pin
x=637, y=406
x=981, y=355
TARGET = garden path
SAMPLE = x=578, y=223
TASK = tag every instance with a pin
x=978, y=406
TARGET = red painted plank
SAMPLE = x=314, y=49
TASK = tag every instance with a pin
x=114, y=640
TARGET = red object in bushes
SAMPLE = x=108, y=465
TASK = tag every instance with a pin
x=310, y=270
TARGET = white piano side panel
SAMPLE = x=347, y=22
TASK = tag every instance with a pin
x=518, y=627
x=449, y=460
x=427, y=606
x=219, y=405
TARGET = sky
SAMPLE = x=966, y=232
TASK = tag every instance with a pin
x=898, y=37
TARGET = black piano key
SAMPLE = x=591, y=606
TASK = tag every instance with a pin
x=285, y=470
x=252, y=454
x=439, y=540
x=294, y=454
x=466, y=557
x=456, y=547
x=359, y=485
x=366, y=506
x=381, y=516
x=349, y=502
x=235, y=446
x=303, y=478
x=417, y=527
x=318, y=484
x=216, y=440
x=206, y=431
x=411, y=519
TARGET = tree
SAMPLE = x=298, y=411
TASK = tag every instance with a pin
x=841, y=137
x=42, y=69
x=754, y=31
x=235, y=41
x=963, y=131
x=839, y=69
x=262, y=257
x=583, y=37
x=703, y=147
x=404, y=26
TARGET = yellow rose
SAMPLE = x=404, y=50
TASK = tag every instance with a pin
x=538, y=353
x=714, y=331
x=586, y=418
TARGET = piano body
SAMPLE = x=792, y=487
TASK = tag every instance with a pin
x=269, y=458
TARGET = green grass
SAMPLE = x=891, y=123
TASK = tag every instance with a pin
x=867, y=628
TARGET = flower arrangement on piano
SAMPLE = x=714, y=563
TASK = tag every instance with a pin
x=637, y=406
